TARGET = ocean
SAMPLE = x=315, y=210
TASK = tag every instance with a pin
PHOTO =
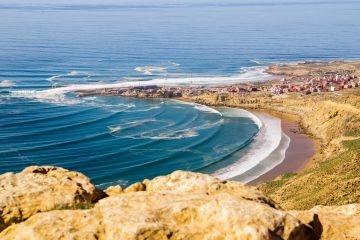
x=46, y=52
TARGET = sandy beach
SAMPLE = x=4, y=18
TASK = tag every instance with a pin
x=298, y=155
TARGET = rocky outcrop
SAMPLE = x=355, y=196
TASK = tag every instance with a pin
x=336, y=222
x=40, y=189
x=182, y=205
x=58, y=224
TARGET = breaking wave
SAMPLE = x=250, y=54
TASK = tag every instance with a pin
x=265, y=143
x=249, y=74
x=158, y=130
x=72, y=73
x=151, y=70
x=6, y=83
x=146, y=109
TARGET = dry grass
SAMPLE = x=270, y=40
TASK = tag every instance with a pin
x=334, y=119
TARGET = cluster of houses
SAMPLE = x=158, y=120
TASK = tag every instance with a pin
x=329, y=83
x=305, y=85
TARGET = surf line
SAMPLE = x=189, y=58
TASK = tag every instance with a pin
x=266, y=151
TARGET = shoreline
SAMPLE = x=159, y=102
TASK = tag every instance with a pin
x=302, y=150
x=298, y=155
x=266, y=150
x=325, y=125
x=301, y=79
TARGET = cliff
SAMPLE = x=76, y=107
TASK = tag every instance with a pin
x=332, y=119
x=54, y=203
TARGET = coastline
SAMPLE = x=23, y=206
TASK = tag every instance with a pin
x=267, y=149
x=298, y=155
x=331, y=120
x=323, y=98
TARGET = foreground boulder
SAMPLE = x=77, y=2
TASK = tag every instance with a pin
x=182, y=205
x=40, y=189
x=333, y=222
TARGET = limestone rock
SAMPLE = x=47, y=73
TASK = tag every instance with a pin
x=181, y=205
x=181, y=181
x=333, y=222
x=58, y=224
x=175, y=215
x=136, y=187
x=114, y=190
x=39, y=189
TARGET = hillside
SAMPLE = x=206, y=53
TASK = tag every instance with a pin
x=333, y=119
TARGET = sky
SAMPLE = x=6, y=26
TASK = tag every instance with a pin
x=151, y=2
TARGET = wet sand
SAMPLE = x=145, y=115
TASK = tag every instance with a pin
x=301, y=150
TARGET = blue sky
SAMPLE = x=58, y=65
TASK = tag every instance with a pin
x=152, y=2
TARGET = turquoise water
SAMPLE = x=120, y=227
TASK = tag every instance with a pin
x=125, y=140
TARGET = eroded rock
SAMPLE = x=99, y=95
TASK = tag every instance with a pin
x=182, y=205
x=40, y=189
x=333, y=222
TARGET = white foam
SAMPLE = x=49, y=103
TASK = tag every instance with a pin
x=72, y=73
x=274, y=159
x=159, y=134
x=247, y=75
x=80, y=73
x=199, y=107
x=266, y=141
x=146, y=109
x=7, y=83
x=151, y=70
x=173, y=135
x=182, y=133
x=131, y=124
x=258, y=62
x=204, y=108
x=161, y=70
x=114, y=183
x=114, y=129
x=62, y=99
x=174, y=64
x=231, y=112
x=52, y=78
x=41, y=96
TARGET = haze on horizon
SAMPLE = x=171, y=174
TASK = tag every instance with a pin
x=163, y=2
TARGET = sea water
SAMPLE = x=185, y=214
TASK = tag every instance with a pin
x=48, y=51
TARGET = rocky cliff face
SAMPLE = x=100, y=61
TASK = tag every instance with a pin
x=40, y=189
x=182, y=205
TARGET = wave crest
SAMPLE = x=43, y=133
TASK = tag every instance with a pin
x=151, y=70
x=266, y=141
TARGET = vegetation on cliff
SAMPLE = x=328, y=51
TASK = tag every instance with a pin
x=334, y=176
x=331, y=118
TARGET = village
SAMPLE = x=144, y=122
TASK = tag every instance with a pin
x=320, y=83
